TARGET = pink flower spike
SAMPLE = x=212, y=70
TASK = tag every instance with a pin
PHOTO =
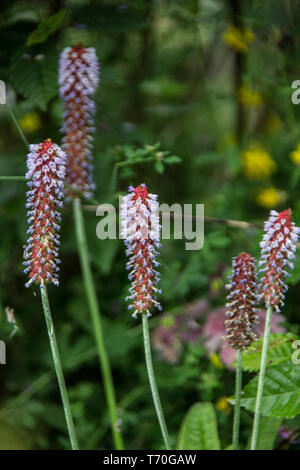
x=141, y=231
x=78, y=80
x=277, y=250
x=46, y=164
x=241, y=303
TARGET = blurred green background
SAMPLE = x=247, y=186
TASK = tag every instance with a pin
x=201, y=87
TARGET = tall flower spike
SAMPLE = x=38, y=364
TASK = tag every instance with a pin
x=241, y=303
x=46, y=165
x=78, y=80
x=141, y=230
x=277, y=250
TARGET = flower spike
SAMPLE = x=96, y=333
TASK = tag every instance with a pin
x=141, y=231
x=46, y=163
x=241, y=303
x=277, y=250
x=78, y=80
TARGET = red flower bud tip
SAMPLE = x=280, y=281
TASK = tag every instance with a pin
x=78, y=80
x=46, y=165
x=277, y=250
x=141, y=231
x=241, y=302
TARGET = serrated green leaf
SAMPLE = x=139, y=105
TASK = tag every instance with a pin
x=35, y=78
x=199, y=429
x=281, y=395
x=280, y=350
x=45, y=28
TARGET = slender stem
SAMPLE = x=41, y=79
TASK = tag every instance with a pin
x=58, y=368
x=261, y=378
x=153, y=386
x=26, y=143
x=97, y=324
x=12, y=178
x=237, y=407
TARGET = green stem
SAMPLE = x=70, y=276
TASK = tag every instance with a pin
x=26, y=143
x=12, y=178
x=58, y=367
x=97, y=324
x=153, y=386
x=237, y=407
x=261, y=379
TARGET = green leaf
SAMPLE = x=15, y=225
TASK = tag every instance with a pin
x=35, y=77
x=45, y=28
x=280, y=350
x=172, y=159
x=268, y=430
x=281, y=396
x=159, y=166
x=199, y=429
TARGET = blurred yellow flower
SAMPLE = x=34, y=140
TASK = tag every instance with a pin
x=31, y=122
x=257, y=163
x=295, y=155
x=249, y=97
x=238, y=39
x=270, y=197
x=216, y=361
x=223, y=405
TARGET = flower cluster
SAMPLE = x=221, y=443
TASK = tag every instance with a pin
x=238, y=39
x=270, y=197
x=257, y=163
x=214, y=331
x=277, y=250
x=141, y=231
x=78, y=80
x=241, y=303
x=46, y=164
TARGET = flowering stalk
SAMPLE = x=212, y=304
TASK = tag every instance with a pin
x=45, y=175
x=277, y=250
x=141, y=231
x=78, y=80
x=241, y=317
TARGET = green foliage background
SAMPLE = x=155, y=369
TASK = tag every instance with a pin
x=167, y=76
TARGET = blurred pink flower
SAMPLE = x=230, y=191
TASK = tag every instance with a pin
x=169, y=337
